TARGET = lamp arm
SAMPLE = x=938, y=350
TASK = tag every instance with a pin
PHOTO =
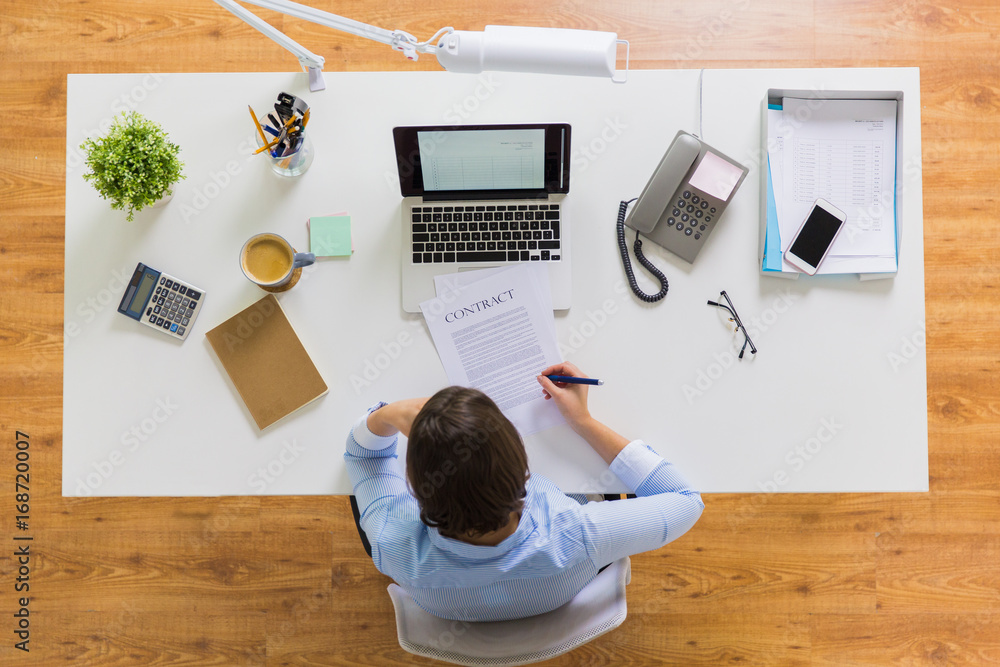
x=326, y=18
x=307, y=59
x=305, y=56
x=497, y=48
x=399, y=40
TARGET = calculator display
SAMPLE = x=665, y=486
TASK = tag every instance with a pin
x=139, y=300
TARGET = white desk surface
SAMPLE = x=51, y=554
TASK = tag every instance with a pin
x=144, y=415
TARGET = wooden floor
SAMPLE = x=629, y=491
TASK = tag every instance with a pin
x=763, y=580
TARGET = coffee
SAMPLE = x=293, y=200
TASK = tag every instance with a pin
x=267, y=259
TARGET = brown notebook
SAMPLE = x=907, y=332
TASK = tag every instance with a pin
x=266, y=362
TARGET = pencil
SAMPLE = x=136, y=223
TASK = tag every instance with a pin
x=268, y=145
x=257, y=123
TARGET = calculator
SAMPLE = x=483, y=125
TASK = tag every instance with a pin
x=162, y=301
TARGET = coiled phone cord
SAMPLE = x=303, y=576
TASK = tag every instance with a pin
x=649, y=266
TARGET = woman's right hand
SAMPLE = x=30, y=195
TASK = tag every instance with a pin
x=571, y=399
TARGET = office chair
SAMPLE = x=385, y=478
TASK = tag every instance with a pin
x=597, y=609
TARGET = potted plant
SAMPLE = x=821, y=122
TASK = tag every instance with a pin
x=134, y=165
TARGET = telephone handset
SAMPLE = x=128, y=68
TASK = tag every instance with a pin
x=680, y=205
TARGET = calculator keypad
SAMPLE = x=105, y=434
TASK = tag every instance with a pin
x=173, y=307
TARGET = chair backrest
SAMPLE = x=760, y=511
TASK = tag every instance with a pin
x=597, y=609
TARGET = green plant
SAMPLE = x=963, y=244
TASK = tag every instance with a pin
x=134, y=165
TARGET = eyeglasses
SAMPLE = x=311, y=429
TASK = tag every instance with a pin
x=739, y=324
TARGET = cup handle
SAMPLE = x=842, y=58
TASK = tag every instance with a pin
x=303, y=259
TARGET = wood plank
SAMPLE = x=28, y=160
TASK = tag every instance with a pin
x=126, y=635
x=750, y=572
x=905, y=639
x=918, y=30
x=643, y=639
x=228, y=572
x=200, y=521
x=773, y=638
x=957, y=512
x=306, y=513
x=939, y=573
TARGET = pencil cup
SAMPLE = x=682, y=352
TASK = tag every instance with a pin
x=290, y=164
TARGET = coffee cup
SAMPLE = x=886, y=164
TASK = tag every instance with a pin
x=269, y=260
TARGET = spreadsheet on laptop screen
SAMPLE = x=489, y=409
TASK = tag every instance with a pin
x=483, y=159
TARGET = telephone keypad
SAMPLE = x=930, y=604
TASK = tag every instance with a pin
x=693, y=209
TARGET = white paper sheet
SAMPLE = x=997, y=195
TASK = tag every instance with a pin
x=447, y=282
x=496, y=333
x=843, y=151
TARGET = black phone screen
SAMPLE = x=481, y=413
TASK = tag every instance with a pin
x=816, y=236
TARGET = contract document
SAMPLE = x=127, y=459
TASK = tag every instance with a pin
x=495, y=332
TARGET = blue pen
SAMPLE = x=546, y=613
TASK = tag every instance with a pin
x=569, y=379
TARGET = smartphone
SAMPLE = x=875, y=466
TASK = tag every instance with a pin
x=815, y=237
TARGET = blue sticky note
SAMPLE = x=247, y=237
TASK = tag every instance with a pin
x=330, y=236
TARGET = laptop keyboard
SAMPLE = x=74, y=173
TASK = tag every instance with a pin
x=486, y=233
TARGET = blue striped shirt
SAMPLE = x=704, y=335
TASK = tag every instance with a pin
x=557, y=548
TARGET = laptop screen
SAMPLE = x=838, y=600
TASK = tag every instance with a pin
x=483, y=161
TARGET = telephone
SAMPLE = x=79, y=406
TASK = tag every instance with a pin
x=680, y=205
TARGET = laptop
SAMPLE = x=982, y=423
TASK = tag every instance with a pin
x=481, y=196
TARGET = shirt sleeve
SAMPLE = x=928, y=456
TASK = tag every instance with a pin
x=666, y=507
x=375, y=475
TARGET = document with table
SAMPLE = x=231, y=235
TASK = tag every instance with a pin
x=843, y=151
x=495, y=332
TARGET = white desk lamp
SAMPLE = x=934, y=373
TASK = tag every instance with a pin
x=497, y=48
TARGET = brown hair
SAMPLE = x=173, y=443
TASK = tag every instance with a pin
x=465, y=463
